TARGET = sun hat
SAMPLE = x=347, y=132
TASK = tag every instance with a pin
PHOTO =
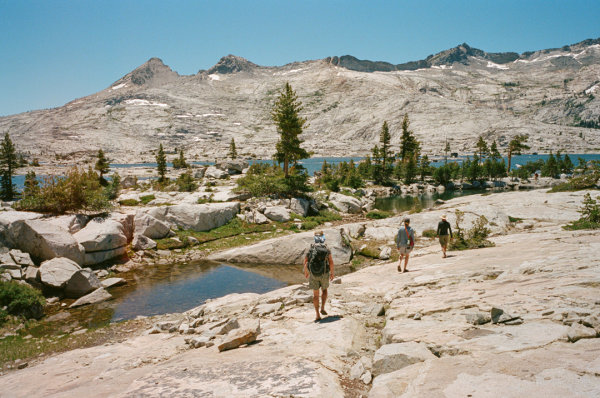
x=443, y=216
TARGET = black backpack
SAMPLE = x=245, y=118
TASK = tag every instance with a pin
x=317, y=258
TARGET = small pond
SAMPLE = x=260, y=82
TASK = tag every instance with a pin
x=172, y=288
x=401, y=203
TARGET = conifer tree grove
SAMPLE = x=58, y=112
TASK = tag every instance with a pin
x=289, y=124
x=8, y=163
x=232, y=150
x=161, y=163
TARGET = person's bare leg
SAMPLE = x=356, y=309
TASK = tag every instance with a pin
x=405, y=262
x=444, y=250
x=400, y=262
x=323, y=300
x=316, y=303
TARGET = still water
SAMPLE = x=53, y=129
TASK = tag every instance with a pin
x=400, y=203
x=173, y=288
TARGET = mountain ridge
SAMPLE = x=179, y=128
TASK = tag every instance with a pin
x=552, y=95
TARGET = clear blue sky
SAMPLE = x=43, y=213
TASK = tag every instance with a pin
x=55, y=51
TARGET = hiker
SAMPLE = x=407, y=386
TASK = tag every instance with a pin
x=444, y=234
x=405, y=242
x=318, y=268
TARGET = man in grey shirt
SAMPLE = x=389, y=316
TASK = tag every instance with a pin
x=405, y=242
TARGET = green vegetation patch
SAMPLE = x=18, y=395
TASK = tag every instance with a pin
x=129, y=202
x=429, y=233
x=590, y=214
x=578, y=183
x=378, y=214
x=20, y=300
x=233, y=228
x=78, y=190
x=147, y=199
x=514, y=219
x=474, y=238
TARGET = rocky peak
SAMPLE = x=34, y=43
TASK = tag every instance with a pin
x=152, y=72
x=458, y=54
x=232, y=64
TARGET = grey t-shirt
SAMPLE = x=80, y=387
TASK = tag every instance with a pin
x=403, y=239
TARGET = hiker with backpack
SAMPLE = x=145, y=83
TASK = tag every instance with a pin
x=318, y=268
x=405, y=242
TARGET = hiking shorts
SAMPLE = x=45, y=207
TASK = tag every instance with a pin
x=404, y=249
x=444, y=240
x=316, y=282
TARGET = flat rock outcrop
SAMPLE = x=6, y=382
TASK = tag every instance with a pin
x=199, y=217
x=290, y=249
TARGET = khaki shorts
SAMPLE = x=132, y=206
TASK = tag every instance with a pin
x=444, y=240
x=316, y=282
x=404, y=249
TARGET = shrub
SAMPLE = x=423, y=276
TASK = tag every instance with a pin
x=112, y=190
x=186, y=182
x=474, y=238
x=265, y=180
x=129, y=202
x=78, y=190
x=429, y=233
x=310, y=224
x=147, y=199
x=378, y=214
x=587, y=181
x=21, y=300
x=3, y=316
x=590, y=214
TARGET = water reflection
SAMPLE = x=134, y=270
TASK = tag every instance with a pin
x=178, y=287
x=401, y=203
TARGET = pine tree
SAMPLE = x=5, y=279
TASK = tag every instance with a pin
x=567, y=164
x=384, y=139
x=8, y=163
x=409, y=146
x=482, y=148
x=232, y=150
x=410, y=170
x=424, y=168
x=161, y=163
x=515, y=146
x=364, y=168
x=289, y=126
x=382, y=157
x=551, y=167
x=446, y=150
x=494, y=153
x=377, y=168
x=102, y=165
x=31, y=187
